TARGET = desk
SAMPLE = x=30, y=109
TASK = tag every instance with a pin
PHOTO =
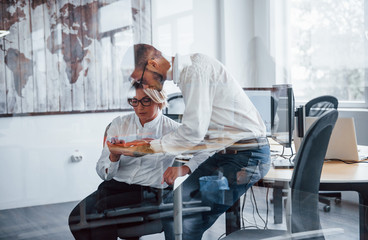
x=211, y=144
x=230, y=218
x=336, y=176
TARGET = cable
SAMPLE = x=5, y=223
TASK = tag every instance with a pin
x=292, y=154
x=222, y=235
x=253, y=210
x=255, y=203
x=268, y=189
x=244, y=218
x=283, y=151
x=242, y=209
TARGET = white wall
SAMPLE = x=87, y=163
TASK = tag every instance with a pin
x=35, y=156
x=237, y=32
x=185, y=27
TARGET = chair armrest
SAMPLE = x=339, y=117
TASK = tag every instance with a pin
x=185, y=212
x=88, y=217
x=134, y=210
x=106, y=222
x=116, y=212
x=308, y=234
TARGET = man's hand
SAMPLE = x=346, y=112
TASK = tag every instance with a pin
x=172, y=173
x=133, y=151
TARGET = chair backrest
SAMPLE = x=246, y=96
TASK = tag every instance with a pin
x=176, y=107
x=307, y=173
x=105, y=134
x=319, y=105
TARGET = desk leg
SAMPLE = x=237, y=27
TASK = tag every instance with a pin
x=277, y=202
x=362, y=190
x=178, y=218
x=363, y=214
x=233, y=218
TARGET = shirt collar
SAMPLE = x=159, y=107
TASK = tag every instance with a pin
x=150, y=124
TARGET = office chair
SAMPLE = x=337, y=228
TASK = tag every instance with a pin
x=135, y=221
x=175, y=108
x=314, y=108
x=319, y=105
x=304, y=186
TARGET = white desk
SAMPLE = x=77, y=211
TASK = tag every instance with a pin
x=211, y=145
x=336, y=176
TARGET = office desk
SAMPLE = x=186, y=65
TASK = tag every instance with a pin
x=232, y=215
x=212, y=144
x=336, y=176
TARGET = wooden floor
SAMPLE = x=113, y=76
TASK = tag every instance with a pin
x=50, y=221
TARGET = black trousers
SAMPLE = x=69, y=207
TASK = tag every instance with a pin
x=110, y=194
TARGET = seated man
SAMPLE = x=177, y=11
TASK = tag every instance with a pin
x=127, y=177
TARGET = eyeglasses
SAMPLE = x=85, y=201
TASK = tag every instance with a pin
x=141, y=81
x=146, y=101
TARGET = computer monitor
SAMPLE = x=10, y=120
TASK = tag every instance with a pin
x=282, y=110
x=262, y=100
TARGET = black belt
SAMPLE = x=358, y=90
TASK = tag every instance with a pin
x=231, y=150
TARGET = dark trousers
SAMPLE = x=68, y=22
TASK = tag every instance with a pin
x=242, y=170
x=110, y=194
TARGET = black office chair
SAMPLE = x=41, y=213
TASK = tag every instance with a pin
x=315, y=108
x=304, y=185
x=175, y=108
x=135, y=221
x=319, y=105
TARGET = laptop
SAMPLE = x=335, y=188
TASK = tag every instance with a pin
x=343, y=144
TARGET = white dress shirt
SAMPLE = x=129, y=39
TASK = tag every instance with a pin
x=146, y=170
x=213, y=100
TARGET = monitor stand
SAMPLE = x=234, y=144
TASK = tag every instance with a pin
x=280, y=162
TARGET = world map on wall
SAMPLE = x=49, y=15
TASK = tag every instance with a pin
x=79, y=27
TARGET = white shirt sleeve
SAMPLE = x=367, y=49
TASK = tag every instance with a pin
x=105, y=168
x=198, y=93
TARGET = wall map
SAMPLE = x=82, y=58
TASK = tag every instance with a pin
x=67, y=56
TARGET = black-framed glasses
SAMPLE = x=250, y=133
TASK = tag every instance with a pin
x=141, y=81
x=146, y=101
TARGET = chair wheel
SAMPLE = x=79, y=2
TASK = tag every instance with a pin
x=337, y=200
x=326, y=208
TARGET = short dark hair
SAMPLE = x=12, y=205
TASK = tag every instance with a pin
x=137, y=85
x=144, y=52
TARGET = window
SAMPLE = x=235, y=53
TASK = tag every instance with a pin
x=327, y=50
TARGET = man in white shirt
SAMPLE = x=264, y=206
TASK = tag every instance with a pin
x=128, y=178
x=213, y=100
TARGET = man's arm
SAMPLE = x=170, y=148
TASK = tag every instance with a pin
x=198, y=96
